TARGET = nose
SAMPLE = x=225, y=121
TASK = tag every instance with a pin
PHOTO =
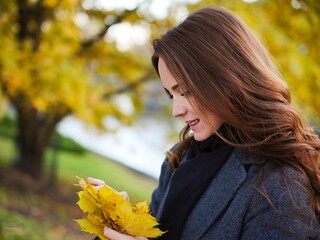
x=178, y=108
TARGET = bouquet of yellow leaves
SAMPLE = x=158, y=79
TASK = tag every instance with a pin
x=107, y=207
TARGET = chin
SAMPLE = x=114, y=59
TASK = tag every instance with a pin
x=200, y=138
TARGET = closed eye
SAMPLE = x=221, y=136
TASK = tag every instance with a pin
x=174, y=88
x=169, y=94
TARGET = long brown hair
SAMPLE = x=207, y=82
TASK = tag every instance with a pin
x=215, y=55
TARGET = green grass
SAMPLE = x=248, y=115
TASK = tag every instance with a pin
x=18, y=227
x=30, y=215
x=8, y=151
x=72, y=164
x=73, y=160
x=138, y=186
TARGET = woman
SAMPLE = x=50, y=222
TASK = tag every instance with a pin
x=250, y=167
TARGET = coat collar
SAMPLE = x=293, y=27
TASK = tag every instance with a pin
x=218, y=195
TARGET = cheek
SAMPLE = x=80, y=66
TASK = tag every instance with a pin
x=217, y=122
x=210, y=121
x=192, y=108
x=213, y=123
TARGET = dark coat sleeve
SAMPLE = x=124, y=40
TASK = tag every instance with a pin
x=281, y=210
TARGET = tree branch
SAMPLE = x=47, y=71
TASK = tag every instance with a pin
x=89, y=42
x=129, y=87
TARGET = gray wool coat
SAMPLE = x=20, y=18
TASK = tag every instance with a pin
x=233, y=208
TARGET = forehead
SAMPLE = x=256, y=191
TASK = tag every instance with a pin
x=167, y=79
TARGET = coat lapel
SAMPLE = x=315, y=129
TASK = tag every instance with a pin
x=217, y=196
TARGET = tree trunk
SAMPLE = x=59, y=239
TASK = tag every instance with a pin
x=35, y=128
x=34, y=132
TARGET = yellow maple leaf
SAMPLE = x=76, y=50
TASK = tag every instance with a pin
x=86, y=203
x=107, y=207
x=141, y=207
x=134, y=223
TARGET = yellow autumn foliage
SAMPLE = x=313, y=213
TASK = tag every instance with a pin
x=107, y=207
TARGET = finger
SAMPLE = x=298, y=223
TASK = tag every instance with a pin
x=114, y=235
x=98, y=187
x=95, y=182
x=80, y=183
x=124, y=195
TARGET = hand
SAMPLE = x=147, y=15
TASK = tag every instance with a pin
x=97, y=183
x=114, y=235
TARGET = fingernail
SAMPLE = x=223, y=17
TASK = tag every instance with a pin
x=106, y=229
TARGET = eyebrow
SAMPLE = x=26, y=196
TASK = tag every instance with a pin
x=174, y=87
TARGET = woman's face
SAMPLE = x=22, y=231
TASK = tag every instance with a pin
x=203, y=125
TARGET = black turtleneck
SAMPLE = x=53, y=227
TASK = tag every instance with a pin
x=197, y=169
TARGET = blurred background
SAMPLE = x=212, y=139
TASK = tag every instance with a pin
x=79, y=97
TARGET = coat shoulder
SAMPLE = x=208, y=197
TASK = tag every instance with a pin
x=281, y=205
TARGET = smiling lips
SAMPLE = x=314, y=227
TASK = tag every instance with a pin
x=194, y=122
